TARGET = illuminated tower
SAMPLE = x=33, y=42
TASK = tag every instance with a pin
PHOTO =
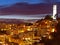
x=54, y=11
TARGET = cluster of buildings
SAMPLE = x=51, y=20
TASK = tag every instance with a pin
x=26, y=33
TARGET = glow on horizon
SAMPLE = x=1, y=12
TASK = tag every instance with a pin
x=20, y=17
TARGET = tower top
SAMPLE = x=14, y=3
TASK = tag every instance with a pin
x=54, y=11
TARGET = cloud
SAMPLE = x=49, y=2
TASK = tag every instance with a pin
x=52, y=1
x=9, y=2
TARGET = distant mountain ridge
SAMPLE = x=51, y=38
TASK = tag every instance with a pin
x=28, y=9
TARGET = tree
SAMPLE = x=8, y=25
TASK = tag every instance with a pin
x=48, y=17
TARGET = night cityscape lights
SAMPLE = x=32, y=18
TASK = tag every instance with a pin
x=26, y=34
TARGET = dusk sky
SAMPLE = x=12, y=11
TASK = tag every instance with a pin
x=13, y=7
x=9, y=2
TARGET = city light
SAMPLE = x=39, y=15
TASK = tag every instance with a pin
x=50, y=37
x=28, y=34
x=53, y=30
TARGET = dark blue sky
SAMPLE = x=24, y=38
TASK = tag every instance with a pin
x=9, y=2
